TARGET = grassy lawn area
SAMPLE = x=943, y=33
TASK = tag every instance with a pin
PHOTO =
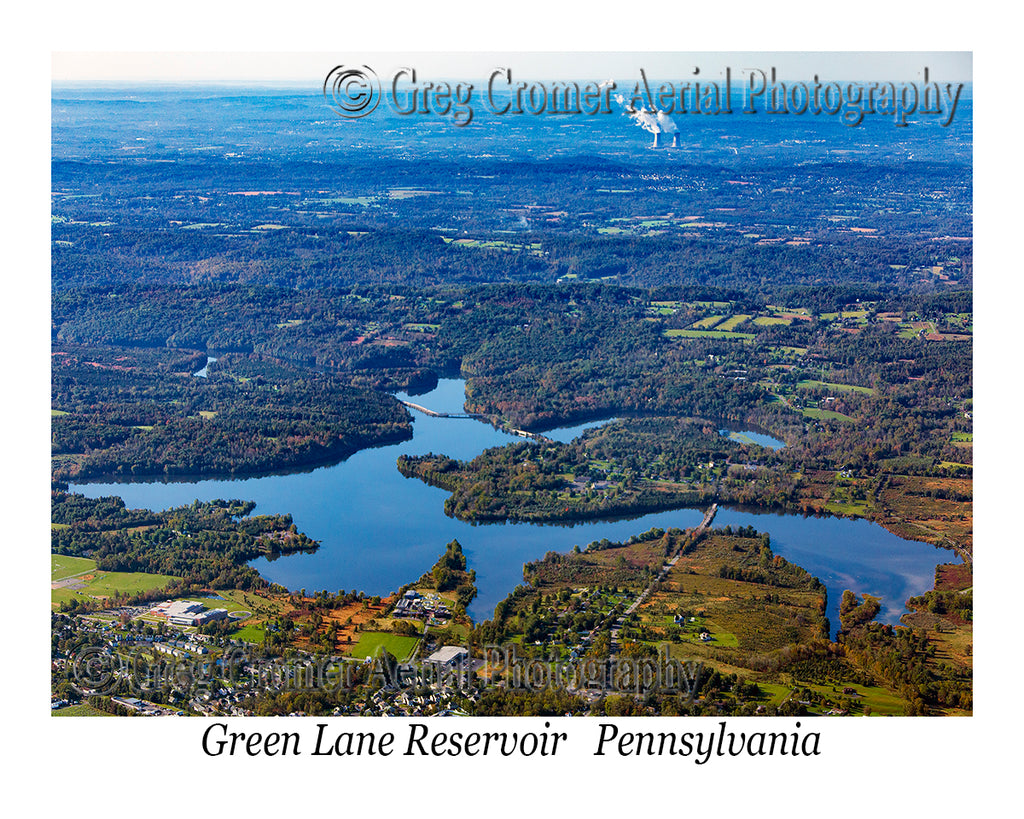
x=348, y=200
x=811, y=384
x=859, y=315
x=81, y=710
x=733, y=322
x=409, y=193
x=459, y=630
x=956, y=463
x=370, y=642
x=881, y=701
x=719, y=637
x=850, y=508
x=249, y=633
x=708, y=334
x=237, y=600
x=494, y=244
x=914, y=328
x=825, y=415
x=62, y=566
x=774, y=692
x=98, y=584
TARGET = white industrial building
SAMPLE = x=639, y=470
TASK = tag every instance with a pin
x=449, y=656
x=188, y=613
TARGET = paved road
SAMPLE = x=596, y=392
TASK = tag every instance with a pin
x=665, y=569
x=431, y=412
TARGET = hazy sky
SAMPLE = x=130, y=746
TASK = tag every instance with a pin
x=311, y=67
x=299, y=42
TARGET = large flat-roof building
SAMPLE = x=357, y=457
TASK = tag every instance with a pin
x=209, y=616
x=188, y=613
x=449, y=656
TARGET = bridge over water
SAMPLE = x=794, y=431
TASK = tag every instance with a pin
x=431, y=412
x=522, y=433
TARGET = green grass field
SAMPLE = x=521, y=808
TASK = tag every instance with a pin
x=825, y=415
x=100, y=584
x=62, y=566
x=708, y=334
x=706, y=323
x=81, y=710
x=775, y=693
x=796, y=311
x=719, y=637
x=812, y=384
x=860, y=315
x=881, y=701
x=912, y=329
x=850, y=508
x=349, y=200
x=249, y=633
x=409, y=193
x=370, y=642
x=956, y=463
x=238, y=600
x=733, y=322
x=495, y=244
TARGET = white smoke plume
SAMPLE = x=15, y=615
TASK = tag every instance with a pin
x=650, y=119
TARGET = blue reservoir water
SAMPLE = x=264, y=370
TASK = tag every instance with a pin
x=745, y=436
x=204, y=371
x=565, y=435
x=380, y=530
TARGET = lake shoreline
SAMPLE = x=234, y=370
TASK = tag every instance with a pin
x=377, y=529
